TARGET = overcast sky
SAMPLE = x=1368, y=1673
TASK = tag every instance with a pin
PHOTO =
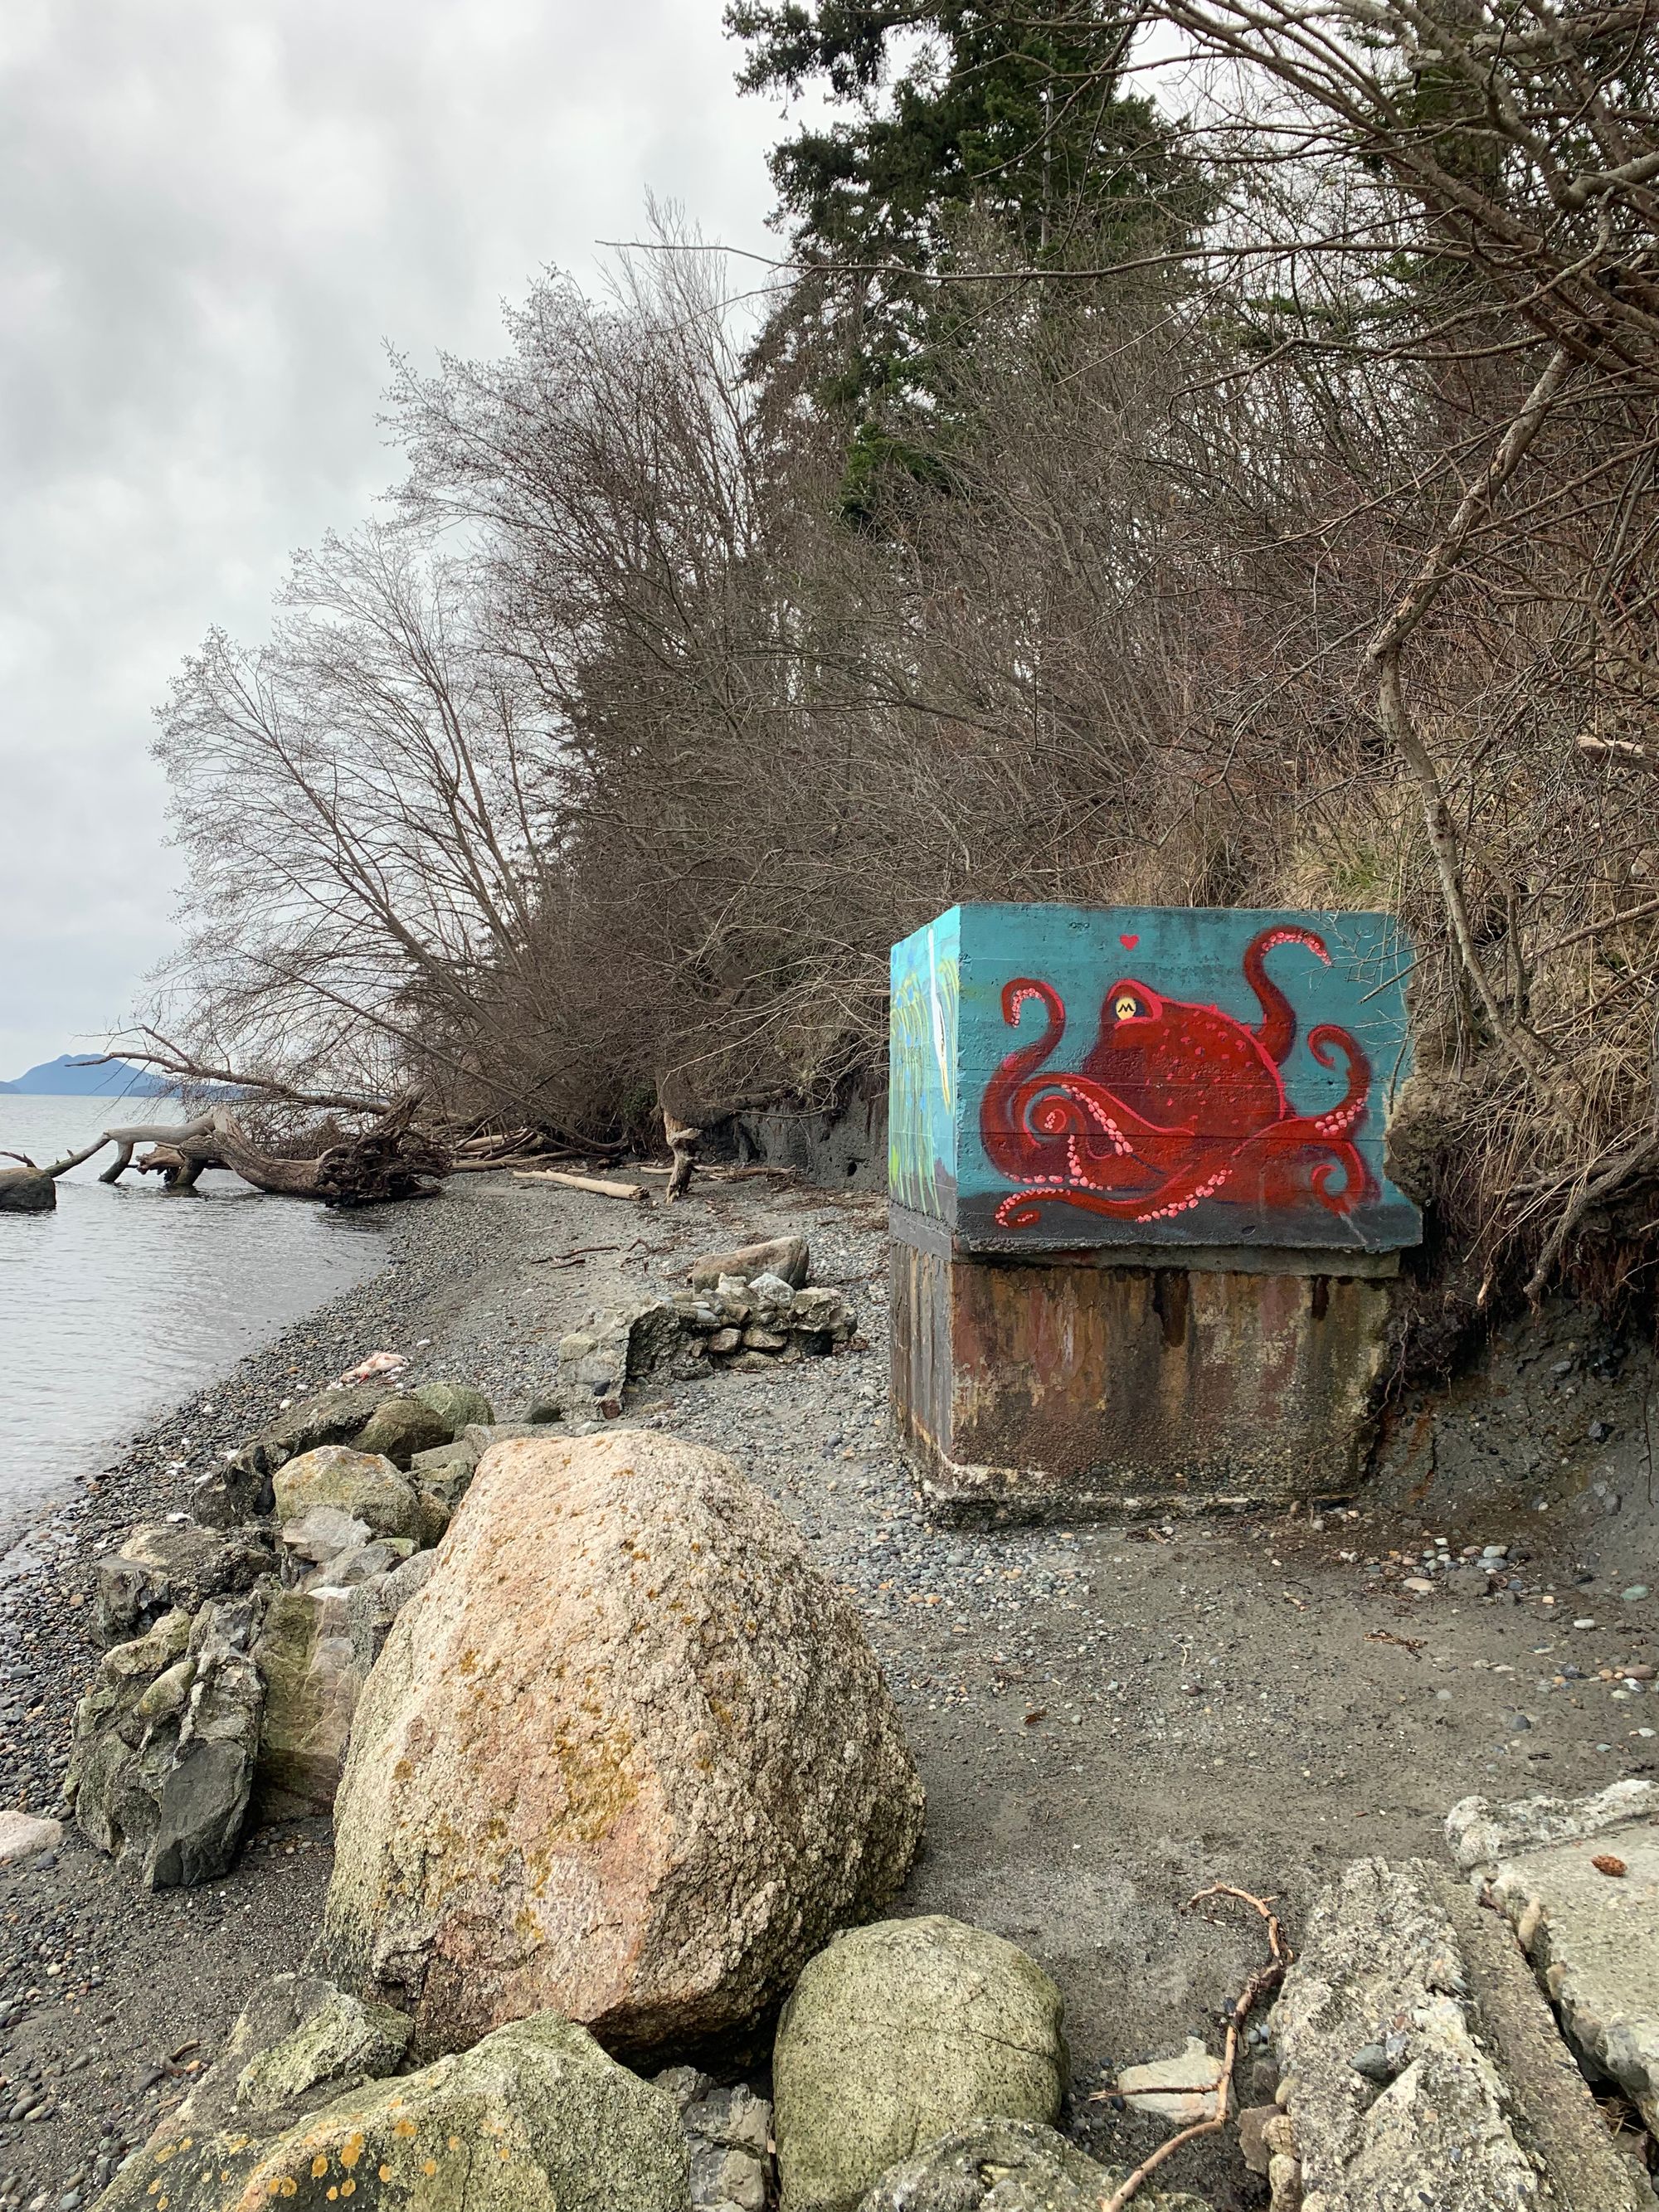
x=215, y=214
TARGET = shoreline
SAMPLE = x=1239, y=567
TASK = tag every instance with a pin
x=1105, y=1718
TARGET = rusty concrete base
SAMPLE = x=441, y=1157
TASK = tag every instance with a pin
x=1071, y=1387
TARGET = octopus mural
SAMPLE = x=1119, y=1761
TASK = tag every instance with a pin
x=1174, y=1103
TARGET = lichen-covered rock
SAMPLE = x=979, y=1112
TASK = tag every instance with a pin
x=627, y=1755
x=298, y=2043
x=787, y=1256
x=243, y=1489
x=1008, y=2166
x=533, y=2117
x=163, y=1761
x=364, y=1484
x=314, y=1653
x=172, y=1563
x=640, y=1342
x=400, y=1427
x=457, y=1403
x=898, y=2033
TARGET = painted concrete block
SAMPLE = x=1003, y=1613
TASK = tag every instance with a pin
x=1065, y=1078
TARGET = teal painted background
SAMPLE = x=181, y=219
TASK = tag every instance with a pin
x=1292, y=1157
x=922, y=1069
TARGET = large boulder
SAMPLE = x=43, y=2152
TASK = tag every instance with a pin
x=162, y=1764
x=363, y=1485
x=172, y=1563
x=627, y=1755
x=314, y=1653
x=242, y=1489
x=400, y=1427
x=1008, y=2166
x=898, y=2033
x=534, y=2117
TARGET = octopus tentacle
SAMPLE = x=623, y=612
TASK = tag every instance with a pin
x=1277, y=1031
x=1007, y=1143
x=1177, y=1194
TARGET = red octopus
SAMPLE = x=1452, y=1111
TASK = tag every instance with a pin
x=1175, y=1104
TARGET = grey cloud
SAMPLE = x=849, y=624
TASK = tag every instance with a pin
x=214, y=219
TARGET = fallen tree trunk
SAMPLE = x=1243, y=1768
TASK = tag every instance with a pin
x=29, y=1189
x=148, y=1133
x=388, y=1160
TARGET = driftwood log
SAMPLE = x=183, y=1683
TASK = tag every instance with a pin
x=29, y=1189
x=389, y=1160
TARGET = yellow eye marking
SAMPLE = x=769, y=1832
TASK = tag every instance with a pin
x=1126, y=1008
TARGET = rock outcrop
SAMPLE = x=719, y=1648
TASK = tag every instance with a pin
x=535, y=2116
x=627, y=1756
x=168, y=1564
x=896, y=2035
x=162, y=1764
x=1008, y=2166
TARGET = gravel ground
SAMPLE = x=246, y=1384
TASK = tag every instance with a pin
x=1107, y=1719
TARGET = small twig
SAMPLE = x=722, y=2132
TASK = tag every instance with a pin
x=565, y=1258
x=1264, y=1978
x=1412, y=1643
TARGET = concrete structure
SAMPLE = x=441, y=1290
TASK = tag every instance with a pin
x=1150, y=1267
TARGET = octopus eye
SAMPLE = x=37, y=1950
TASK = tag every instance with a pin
x=1126, y=1008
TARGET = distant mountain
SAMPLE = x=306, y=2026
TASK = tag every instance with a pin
x=63, y=1079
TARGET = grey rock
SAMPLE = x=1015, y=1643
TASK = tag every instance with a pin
x=172, y=1563
x=456, y=1403
x=243, y=1490
x=364, y=1484
x=399, y=1427
x=727, y=2133
x=996, y=2165
x=161, y=1764
x=344, y=1570
x=316, y=1647
x=297, y=2043
x=322, y=1533
x=787, y=1257
x=1481, y=1834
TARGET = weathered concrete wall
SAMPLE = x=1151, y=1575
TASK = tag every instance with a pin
x=1076, y=1386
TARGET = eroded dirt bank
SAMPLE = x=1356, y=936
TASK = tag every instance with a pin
x=1106, y=1719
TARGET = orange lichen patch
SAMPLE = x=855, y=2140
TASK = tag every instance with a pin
x=347, y=2188
x=351, y=2150
x=429, y=2165
x=320, y=2166
x=403, y=2128
x=290, y=2186
x=454, y=2143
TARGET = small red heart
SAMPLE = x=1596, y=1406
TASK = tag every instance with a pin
x=1129, y=942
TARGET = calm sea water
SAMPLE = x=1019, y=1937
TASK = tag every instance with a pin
x=125, y=1299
